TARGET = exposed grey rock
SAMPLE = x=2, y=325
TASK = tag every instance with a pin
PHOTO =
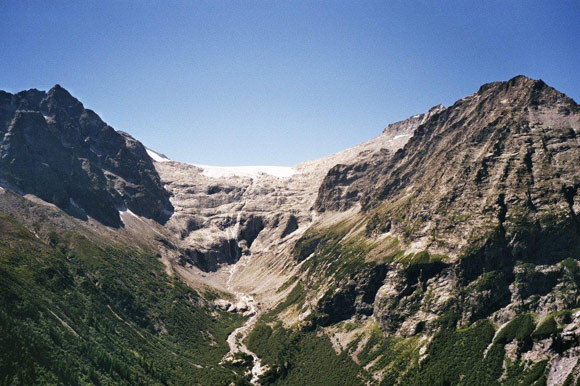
x=341, y=187
x=65, y=154
x=217, y=214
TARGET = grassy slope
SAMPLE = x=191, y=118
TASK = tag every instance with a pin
x=454, y=357
x=74, y=312
x=467, y=356
x=301, y=358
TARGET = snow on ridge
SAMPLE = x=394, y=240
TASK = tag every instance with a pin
x=247, y=171
x=128, y=211
x=233, y=171
x=156, y=156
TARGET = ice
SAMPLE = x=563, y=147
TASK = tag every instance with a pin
x=247, y=171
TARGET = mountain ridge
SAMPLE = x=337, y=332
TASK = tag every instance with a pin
x=445, y=250
x=53, y=147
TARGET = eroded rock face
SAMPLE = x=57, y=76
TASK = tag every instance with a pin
x=220, y=217
x=56, y=149
x=502, y=159
x=354, y=296
x=345, y=183
x=475, y=218
x=489, y=183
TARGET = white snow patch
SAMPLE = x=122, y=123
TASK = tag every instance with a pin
x=401, y=136
x=156, y=156
x=247, y=171
x=128, y=211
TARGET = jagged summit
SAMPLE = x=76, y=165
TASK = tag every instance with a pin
x=522, y=90
x=445, y=249
x=514, y=139
x=518, y=81
x=56, y=149
x=58, y=97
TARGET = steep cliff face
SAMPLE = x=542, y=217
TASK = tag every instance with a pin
x=225, y=214
x=341, y=188
x=504, y=158
x=445, y=250
x=474, y=220
x=56, y=149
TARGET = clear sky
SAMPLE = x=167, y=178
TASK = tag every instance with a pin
x=278, y=82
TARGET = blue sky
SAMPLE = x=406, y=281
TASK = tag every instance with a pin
x=260, y=82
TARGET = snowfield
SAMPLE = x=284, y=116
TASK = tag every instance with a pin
x=247, y=171
x=233, y=171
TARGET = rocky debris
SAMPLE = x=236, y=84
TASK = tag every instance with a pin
x=243, y=305
x=220, y=217
x=56, y=149
x=239, y=352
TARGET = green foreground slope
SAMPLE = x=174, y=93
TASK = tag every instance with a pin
x=75, y=312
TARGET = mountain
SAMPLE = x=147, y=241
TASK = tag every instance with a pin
x=443, y=251
x=471, y=225
x=56, y=149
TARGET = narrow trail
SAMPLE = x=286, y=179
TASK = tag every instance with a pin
x=236, y=338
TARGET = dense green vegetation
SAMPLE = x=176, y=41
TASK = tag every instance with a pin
x=520, y=328
x=301, y=358
x=73, y=311
x=457, y=357
x=76, y=311
x=468, y=356
x=392, y=356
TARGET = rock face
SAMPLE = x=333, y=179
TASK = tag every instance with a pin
x=341, y=187
x=482, y=187
x=475, y=218
x=56, y=149
x=460, y=217
x=503, y=158
x=222, y=214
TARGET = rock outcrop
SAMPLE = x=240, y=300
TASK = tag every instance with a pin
x=56, y=149
x=220, y=213
x=475, y=218
x=463, y=220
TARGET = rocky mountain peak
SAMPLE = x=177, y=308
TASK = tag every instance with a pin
x=58, y=98
x=65, y=154
x=509, y=149
x=521, y=91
